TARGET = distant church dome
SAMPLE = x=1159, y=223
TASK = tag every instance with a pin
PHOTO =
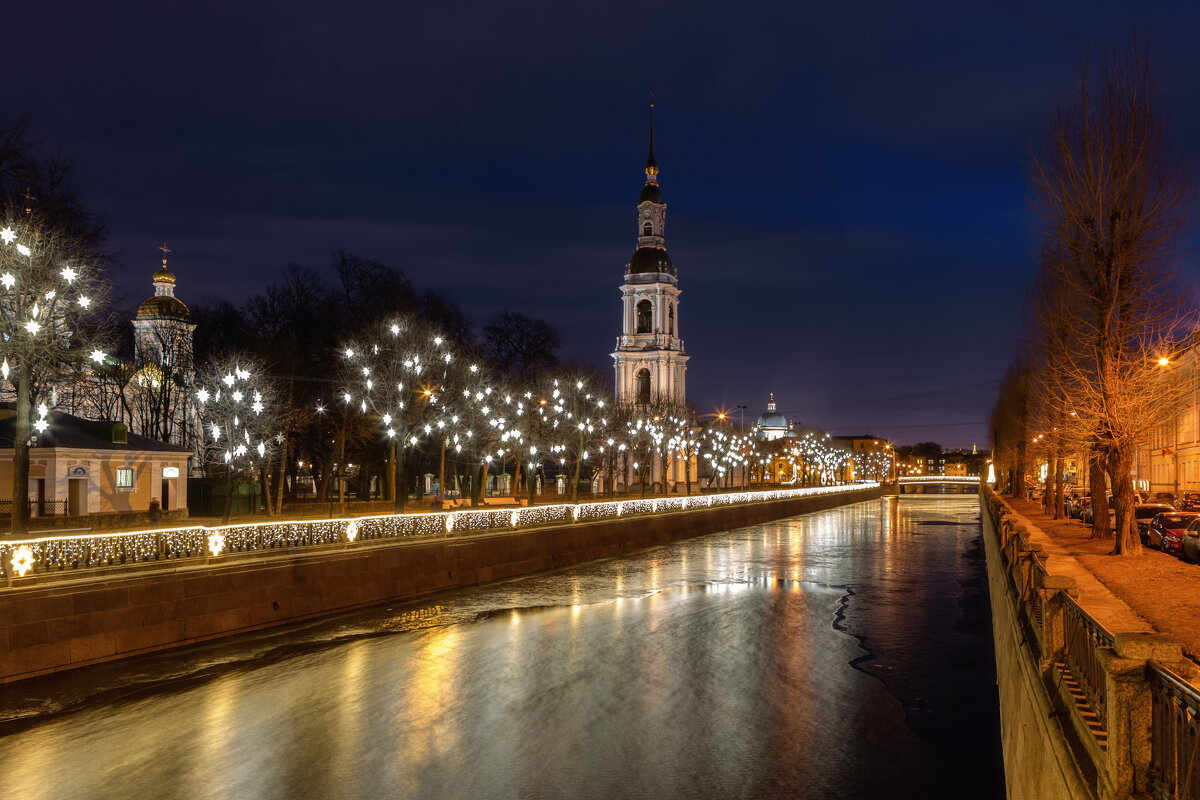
x=164, y=306
x=650, y=259
x=771, y=424
x=164, y=303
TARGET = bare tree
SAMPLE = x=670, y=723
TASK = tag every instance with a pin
x=1109, y=199
x=521, y=347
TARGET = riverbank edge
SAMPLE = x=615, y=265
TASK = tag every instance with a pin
x=1038, y=752
x=65, y=626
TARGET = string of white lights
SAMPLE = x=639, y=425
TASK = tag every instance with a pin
x=53, y=554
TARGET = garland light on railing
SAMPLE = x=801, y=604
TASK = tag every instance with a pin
x=61, y=553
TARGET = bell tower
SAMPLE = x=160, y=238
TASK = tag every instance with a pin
x=650, y=361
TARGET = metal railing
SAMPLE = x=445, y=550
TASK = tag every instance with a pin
x=60, y=554
x=1174, y=736
x=37, y=508
x=1083, y=637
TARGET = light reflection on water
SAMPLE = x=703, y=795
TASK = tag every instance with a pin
x=713, y=668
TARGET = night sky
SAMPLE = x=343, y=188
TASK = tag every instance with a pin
x=845, y=181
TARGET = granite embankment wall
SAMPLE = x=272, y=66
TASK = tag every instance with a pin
x=1038, y=759
x=78, y=621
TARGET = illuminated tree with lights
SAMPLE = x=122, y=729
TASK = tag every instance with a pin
x=49, y=291
x=529, y=433
x=399, y=374
x=582, y=427
x=238, y=406
x=477, y=425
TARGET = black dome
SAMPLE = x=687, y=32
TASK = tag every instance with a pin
x=650, y=259
x=652, y=193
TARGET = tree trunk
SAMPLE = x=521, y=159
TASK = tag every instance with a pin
x=1127, y=542
x=264, y=485
x=401, y=486
x=228, y=495
x=341, y=472
x=1058, y=482
x=442, y=474
x=279, y=476
x=397, y=477
x=22, y=426
x=389, y=485
x=1096, y=486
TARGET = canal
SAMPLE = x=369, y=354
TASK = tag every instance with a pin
x=845, y=653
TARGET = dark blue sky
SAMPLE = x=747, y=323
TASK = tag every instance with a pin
x=847, y=205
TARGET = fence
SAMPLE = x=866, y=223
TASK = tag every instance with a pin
x=37, y=508
x=1086, y=660
x=1174, y=771
x=22, y=560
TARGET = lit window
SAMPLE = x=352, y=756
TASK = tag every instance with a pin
x=124, y=478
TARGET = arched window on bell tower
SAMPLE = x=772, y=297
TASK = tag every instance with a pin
x=671, y=320
x=643, y=386
x=645, y=317
x=647, y=229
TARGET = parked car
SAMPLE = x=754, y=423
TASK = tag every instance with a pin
x=1144, y=512
x=1190, y=549
x=1165, y=531
x=1080, y=506
x=1074, y=505
x=1085, y=510
x=1189, y=502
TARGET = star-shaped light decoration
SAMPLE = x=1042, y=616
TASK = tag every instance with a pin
x=98, y=357
x=216, y=543
x=23, y=250
x=22, y=560
x=33, y=327
x=8, y=234
x=8, y=280
x=69, y=274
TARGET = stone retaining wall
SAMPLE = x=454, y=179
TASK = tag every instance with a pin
x=73, y=623
x=1038, y=760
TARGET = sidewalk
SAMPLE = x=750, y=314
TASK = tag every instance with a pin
x=1160, y=591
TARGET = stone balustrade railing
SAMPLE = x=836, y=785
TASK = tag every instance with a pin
x=23, y=561
x=1133, y=714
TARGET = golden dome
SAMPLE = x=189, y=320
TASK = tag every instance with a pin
x=164, y=306
x=164, y=275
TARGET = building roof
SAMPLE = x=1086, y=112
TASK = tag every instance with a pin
x=650, y=259
x=651, y=194
x=71, y=432
x=164, y=306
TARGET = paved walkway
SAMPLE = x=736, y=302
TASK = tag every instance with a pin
x=1150, y=592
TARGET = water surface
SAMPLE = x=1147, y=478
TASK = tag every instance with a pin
x=845, y=653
